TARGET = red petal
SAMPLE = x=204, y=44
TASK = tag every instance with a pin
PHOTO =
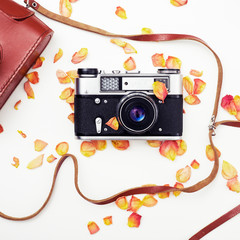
x=173, y=62
x=93, y=227
x=199, y=86
x=122, y=203
x=28, y=89
x=134, y=220
x=16, y=104
x=120, y=144
x=38, y=62
x=169, y=149
x=160, y=90
x=135, y=204
x=158, y=60
x=229, y=105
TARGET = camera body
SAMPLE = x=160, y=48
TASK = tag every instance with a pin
x=129, y=97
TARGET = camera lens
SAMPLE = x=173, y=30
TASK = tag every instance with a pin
x=137, y=114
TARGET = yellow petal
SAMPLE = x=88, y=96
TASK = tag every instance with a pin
x=65, y=8
x=120, y=12
x=147, y=31
x=39, y=145
x=58, y=55
x=228, y=170
x=37, y=162
x=62, y=148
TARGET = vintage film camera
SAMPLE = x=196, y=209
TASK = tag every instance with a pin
x=129, y=97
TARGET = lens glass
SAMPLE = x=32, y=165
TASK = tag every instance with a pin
x=137, y=114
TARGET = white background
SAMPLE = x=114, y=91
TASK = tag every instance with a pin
x=22, y=191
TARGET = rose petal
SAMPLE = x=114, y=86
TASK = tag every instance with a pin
x=177, y=185
x=182, y=147
x=72, y=1
x=210, y=153
x=73, y=75
x=71, y=117
x=135, y=204
x=234, y=185
x=120, y=12
x=164, y=194
x=195, y=164
x=63, y=77
x=228, y=171
x=237, y=102
x=229, y=105
x=158, y=60
x=178, y=3
x=154, y=143
x=58, y=55
x=33, y=77
x=16, y=162
x=80, y=55
x=51, y=158
x=65, y=8
x=129, y=64
x=120, y=144
x=93, y=227
x=122, y=203
x=113, y=123
x=118, y=42
x=1, y=128
x=70, y=99
x=16, y=104
x=87, y=149
x=238, y=116
x=160, y=90
x=39, y=145
x=173, y=62
x=72, y=106
x=188, y=84
x=28, y=89
x=22, y=133
x=192, y=100
x=147, y=31
x=37, y=162
x=128, y=48
x=149, y=201
x=38, y=62
x=100, y=145
x=196, y=73
x=107, y=220
x=199, y=86
x=62, y=148
x=169, y=149
x=183, y=174
x=134, y=220
x=66, y=93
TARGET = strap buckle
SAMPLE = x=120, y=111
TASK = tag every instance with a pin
x=27, y=4
x=212, y=125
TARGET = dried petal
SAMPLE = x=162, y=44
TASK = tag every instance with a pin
x=65, y=8
x=238, y=116
x=22, y=133
x=63, y=77
x=149, y=201
x=33, y=77
x=107, y=220
x=158, y=60
x=134, y=220
x=164, y=194
x=183, y=174
x=199, y=86
x=154, y=143
x=38, y=62
x=80, y=55
x=93, y=227
x=169, y=149
x=58, y=55
x=71, y=117
x=100, y=144
x=37, y=162
x=122, y=203
x=87, y=149
x=210, y=152
x=120, y=12
x=192, y=100
x=120, y=144
x=173, y=62
x=1, y=128
x=16, y=162
x=234, y=185
x=147, y=31
x=229, y=105
x=182, y=147
x=28, y=89
x=113, y=123
x=72, y=106
x=237, y=102
x=177, y=185
x=228, y=171
x=51, y=158
x=129, y=64
x=128, y=48
x=72, y=1
x=62, y=148
x=196, y=73
x=178, y=3
x=118, y=42
x=39, y=145
x=195, y=164
x=188, y=84
x=66, y=93
x=70, y=99
x=160, y=90
x=73, y=75
x=135, y=204
x=184, y=111
x=16, y=104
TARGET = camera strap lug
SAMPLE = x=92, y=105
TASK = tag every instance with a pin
x=212, y=125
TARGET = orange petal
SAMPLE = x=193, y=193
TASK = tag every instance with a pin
x=178, y=3
x=195, y=164
x=128, y=48
x=73, y=75
x=100, y=144
x=177, y=185
x=173, y=62
x=164, y=194
x=33, y=77
x=87, y=149
x=149, y=201
x=62, y=148
x=192, y=100
x=182, y=147
x=135, y=204
x=71, y=117
x=16, y=104
x=196, y=73
x=22, y=133
x=107, y=220
x=188, y=84
x=72, y=1
x=122, y=203
x=58, y=55
x=80, y=55
x=154, y=143
x=113, y=123
x=160, y=90
x=184, y=111
x=37, y=162
x=210, y=152
x=93, y=227
x=70, y=99
x=199, y=86
x=237, y=102
x=39, y=145
x=66, y=93
x=16, y=162
x=228, y=171
x=120, y=12
x=147, y=31
x=118, y=42
x=158, y=60
x=229, y=105
x=120, y=144
x=234, y=185
x=38, y=62
x=1, y=128
x=28, y=89
x=51, y=158
x=63, y=77
x=129, y=64
x=72, y=106
x=183, y=174
x=238, y=116
x=65, y=8
x=134, y=220
x=169, y=149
